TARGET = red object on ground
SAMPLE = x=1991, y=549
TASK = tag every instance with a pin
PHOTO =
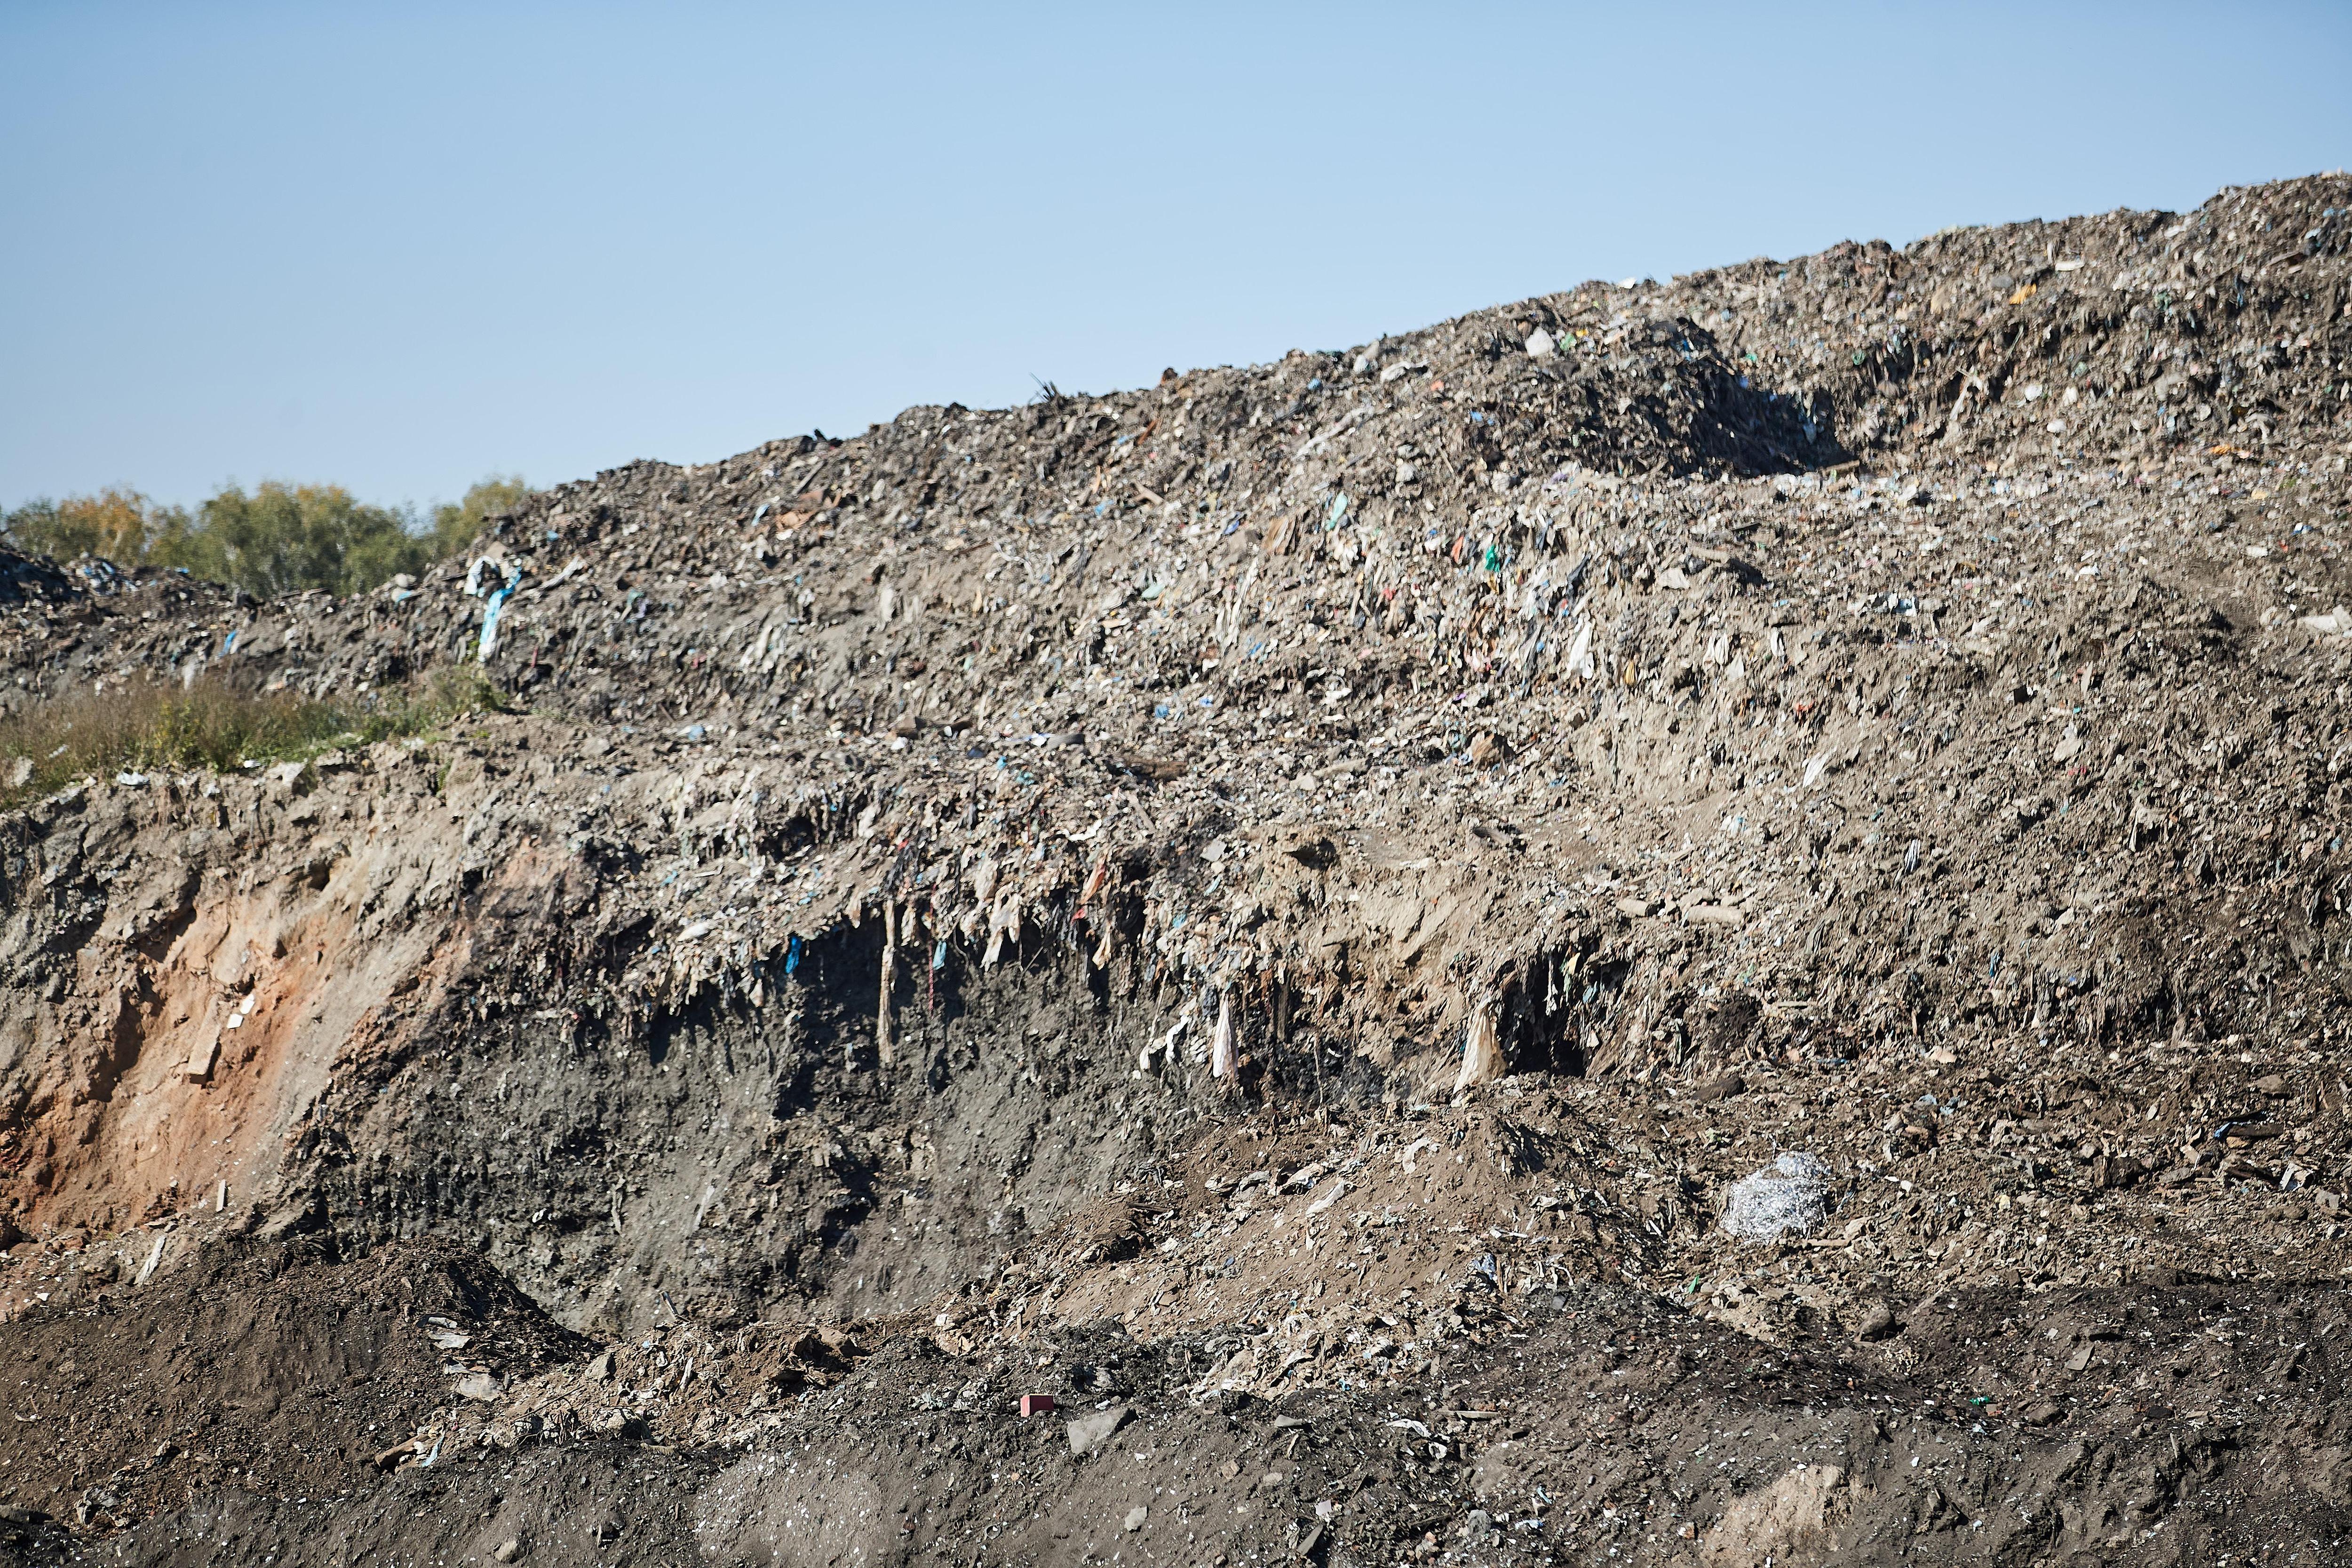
x=1036, y=1404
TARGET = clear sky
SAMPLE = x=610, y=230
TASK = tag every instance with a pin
x=400, y=246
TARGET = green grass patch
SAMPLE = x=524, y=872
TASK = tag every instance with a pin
x=214, y=727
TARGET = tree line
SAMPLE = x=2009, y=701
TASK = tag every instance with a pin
x=274, y=539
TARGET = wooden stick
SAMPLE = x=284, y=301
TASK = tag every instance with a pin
x=882, y=1043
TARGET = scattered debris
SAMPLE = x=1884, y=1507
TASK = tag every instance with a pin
x=995, y=905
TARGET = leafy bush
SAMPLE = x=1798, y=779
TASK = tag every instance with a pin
x=278, y=539
x=214, y=726
x=115, y=523
x=457, y=524
x=282, y=539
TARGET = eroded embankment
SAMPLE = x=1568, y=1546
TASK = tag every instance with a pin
x=1277, y=908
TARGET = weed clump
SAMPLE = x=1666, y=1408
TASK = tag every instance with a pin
x=214, y=726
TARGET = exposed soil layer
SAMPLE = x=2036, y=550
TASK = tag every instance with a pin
x=1279, y=910
x=1556, y=1423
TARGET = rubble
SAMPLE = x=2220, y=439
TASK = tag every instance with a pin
x=1286, y=903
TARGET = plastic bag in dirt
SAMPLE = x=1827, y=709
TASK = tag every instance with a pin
x=1791, y=1194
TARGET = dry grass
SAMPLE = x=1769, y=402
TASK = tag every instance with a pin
x=213, y=726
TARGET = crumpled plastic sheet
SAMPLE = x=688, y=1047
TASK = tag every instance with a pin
x=1789, y=1194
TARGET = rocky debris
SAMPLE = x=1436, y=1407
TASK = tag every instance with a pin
x=1287, y=904
x=244, y=1363
x=1606, y=1418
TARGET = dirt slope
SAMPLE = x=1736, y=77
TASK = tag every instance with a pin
x=1283, y=904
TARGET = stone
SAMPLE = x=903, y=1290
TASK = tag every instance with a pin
x=1794, y=1520
x=1089, y=1432
x=480, y=1386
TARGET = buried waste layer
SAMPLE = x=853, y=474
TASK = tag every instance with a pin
x=1700, y=920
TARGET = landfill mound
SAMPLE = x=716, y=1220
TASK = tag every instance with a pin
x=1681, y=923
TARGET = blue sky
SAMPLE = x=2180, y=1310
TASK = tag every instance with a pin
x=398, y=247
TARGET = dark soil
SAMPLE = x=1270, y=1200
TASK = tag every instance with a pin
x=1564, y=1423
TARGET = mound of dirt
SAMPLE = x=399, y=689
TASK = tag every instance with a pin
x=272, y=1366
x=1278, y=910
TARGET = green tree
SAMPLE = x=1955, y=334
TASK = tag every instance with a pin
x=283, y=539
x=279, y=539
x=117, y=522
x=457, y=525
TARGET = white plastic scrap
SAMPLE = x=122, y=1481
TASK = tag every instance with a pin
x=1791, y=1194
x=1164, y=1047
x=1224, y=1061
x=1482, y=1053
x=1337, y=1189
x=1580, y=652
x=1004, y=921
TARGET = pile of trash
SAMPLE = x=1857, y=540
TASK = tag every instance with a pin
x=1325, y=867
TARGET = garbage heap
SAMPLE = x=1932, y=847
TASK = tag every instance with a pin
x=1315, y=857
